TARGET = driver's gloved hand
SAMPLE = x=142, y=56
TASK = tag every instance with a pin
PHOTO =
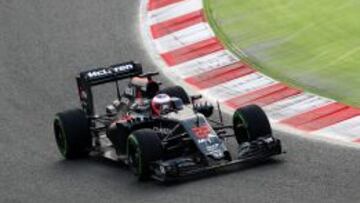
x=205, y=108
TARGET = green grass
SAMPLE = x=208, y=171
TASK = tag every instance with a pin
x=314, y=45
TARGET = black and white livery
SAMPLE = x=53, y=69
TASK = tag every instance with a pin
x=160, y=133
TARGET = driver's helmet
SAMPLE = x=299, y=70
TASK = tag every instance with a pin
x=161, y=103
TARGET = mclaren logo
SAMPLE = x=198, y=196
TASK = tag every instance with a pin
x=109, y=71
x=99, y=73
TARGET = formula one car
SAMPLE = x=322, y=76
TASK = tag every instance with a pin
x=160, y=133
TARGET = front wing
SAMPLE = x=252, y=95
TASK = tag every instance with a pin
x=248, y=152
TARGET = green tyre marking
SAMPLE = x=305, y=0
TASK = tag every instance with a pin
x=240, y=116
x=63, y=149
x=133, y=139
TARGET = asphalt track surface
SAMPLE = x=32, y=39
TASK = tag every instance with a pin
x=44, y=43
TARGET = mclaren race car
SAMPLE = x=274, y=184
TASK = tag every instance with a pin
x=159, y=133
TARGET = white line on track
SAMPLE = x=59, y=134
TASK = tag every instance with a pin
x=174, y=10
x=184, y=37
x=206, y=63
x=295, y=105
x=348, y=129
x=239, y=86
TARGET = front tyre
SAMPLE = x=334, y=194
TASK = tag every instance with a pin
x=72, y=133
x=143, y=146
x=250, y=123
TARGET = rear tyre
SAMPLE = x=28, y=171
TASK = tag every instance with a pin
x=250, y=123
x=143, y=146
x=177, y=91
x=72, y=134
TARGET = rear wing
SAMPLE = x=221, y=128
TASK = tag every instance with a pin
x=86, y=79
x=112, y=73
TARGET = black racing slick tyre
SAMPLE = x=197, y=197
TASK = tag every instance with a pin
x=177, y=91
x=250, y=123
x=72, y=134
x=144, y=147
